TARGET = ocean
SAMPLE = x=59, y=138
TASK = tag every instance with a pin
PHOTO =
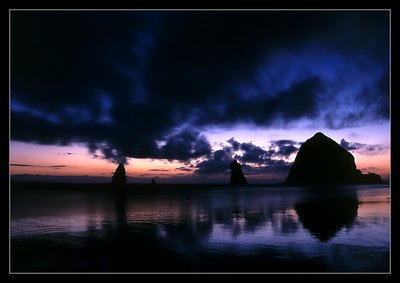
x=77, y=228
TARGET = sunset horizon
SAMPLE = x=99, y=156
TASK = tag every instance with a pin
x=164, y=171
x=177, y=95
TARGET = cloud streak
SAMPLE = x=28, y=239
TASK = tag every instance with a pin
x=40, y=166
x=361, y=148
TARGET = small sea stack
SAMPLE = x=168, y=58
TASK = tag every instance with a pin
x=119, y=176
x=237, y=176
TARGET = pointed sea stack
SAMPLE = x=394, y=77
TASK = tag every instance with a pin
x=237, y=176
x=321, y=160
x=119, y=176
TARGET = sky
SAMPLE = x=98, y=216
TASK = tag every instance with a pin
x=178, y=95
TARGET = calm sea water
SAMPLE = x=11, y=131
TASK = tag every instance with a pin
x=210, y=229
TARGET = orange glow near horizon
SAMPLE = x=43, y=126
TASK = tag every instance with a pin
x=75, y=160
x=379, y=164
x=42, y=158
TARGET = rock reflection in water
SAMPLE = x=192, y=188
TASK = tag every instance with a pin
x=325, y=215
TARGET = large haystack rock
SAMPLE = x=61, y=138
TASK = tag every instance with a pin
x=321, y=160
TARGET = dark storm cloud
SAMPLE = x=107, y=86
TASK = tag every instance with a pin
x=366, y=149
x=235, y=144
x=350, y=146
x=185, y=146
x=284, y=148
x=254, y=154
x=145, y=84
x=218, y=163
x=263, y=109
x=254, y=159
x=59, y=58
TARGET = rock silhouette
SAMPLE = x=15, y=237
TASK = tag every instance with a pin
x=237, y=176
x=119, y=176
x=321, y=160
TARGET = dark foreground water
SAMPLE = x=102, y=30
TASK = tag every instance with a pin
x=63, y=228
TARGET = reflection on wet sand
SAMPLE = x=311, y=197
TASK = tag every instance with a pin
x=324, y=217
x=206, y=230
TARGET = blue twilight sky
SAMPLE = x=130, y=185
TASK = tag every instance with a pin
x=199, y=88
